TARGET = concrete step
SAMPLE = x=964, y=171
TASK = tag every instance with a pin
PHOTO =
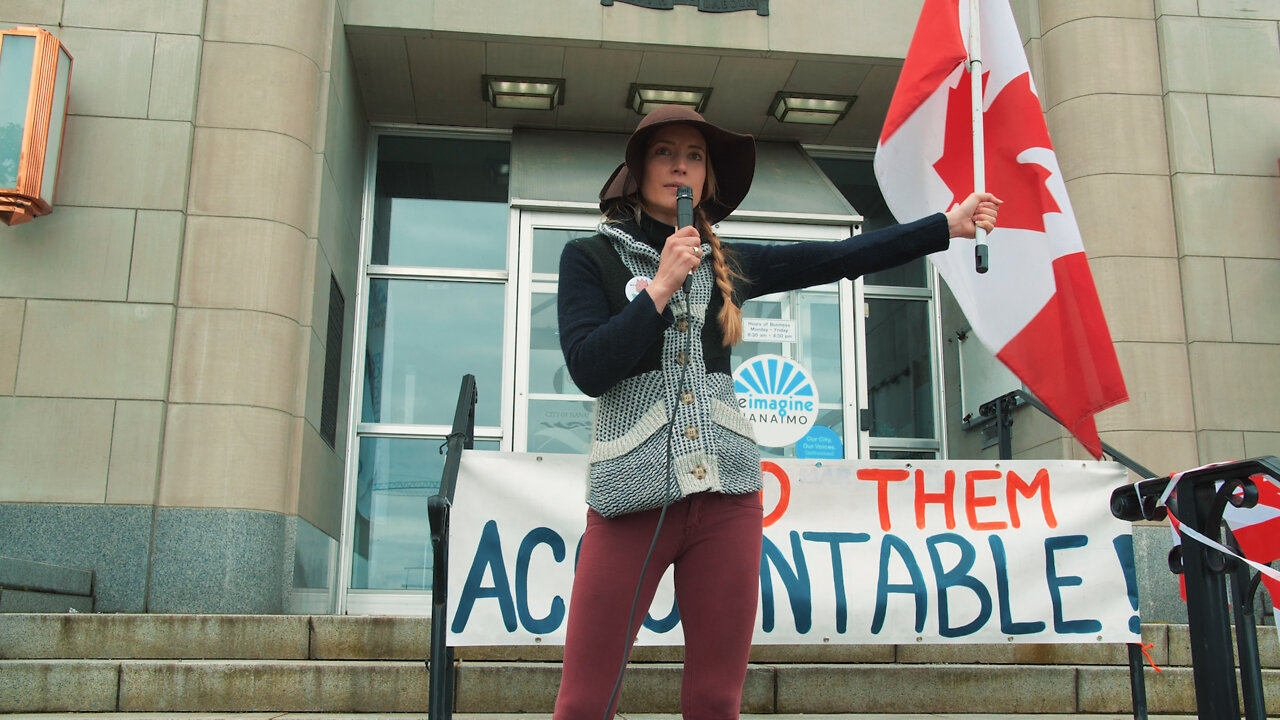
x=826, y=689
x=545, y=716
x=243, y=663
x=245, y=686
x=43, y=686
x=335, y=637
x=338, y=637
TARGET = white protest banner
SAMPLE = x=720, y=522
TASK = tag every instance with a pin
x=854, y=551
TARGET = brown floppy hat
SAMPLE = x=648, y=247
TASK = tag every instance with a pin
x=733, y=156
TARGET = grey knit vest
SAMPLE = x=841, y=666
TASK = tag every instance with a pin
x=712, y=446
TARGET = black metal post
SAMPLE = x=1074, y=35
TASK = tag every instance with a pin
x=440, y=666
x=1137, y=681
x=1255, y=706
x=1207, y=617
x=1004, y=425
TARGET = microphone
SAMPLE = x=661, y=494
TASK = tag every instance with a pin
x=684, y=206
x=684, y=218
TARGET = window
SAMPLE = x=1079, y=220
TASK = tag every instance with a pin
x=903, y=407
x=435, y=308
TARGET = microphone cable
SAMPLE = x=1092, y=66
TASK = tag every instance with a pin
x=671, y=429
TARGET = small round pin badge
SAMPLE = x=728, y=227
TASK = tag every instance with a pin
x=635, y=285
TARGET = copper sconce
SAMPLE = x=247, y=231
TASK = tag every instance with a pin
x=35, y=74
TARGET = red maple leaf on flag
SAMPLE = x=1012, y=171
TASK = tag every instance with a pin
x=1006, y=134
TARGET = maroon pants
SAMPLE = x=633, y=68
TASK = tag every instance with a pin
x=714, y=542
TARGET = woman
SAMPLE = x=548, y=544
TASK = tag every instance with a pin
x=673, y=463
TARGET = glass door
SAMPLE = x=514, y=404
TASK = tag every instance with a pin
x=551, y=414
x=813, y=327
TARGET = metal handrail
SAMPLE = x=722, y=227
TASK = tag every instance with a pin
x=1198, y=503
x=461, y=437
x=1203, y=569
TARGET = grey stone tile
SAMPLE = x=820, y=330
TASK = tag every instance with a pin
x=148, y=15
x=45, y=686
x=154, y=636
x=924, y=688
x=1107, y=690
x=1205, y=55
x=28, y=575
x=370, y=637
x=23, y=601
x=343, y=687
x=111, y=540
x=112, y=72
x=215, y=560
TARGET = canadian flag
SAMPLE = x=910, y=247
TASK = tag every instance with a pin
x=1036, y=309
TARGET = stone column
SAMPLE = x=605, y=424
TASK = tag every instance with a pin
x=1102, y=95
x=1220, y=68
x=242, y=336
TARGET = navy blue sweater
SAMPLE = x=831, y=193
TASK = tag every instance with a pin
x=666, y=397
x=601, y=348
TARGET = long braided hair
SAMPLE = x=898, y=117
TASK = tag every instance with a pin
x=722, y=264
x=725, y=269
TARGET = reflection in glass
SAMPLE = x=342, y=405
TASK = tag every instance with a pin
x=441, y=202
x=15, y=86
x=759, y=308
x=830, y=417
x=909, y=274
x=547, y=244
x=856, y=180
x=899, y=371
x=312, y=550
x=819, y=315
x=560, y=426
x=423, y=336
x=392, y=546
x=57, y=116
x=547, y=370
x=556, y=425
x=443, y=233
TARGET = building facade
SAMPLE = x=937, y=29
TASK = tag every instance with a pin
x=284, y=231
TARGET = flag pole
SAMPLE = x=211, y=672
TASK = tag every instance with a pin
x=979, y=151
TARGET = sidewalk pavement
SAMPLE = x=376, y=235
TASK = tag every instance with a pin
x=547, y=716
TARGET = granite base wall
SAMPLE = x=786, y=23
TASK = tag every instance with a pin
x=176, y=560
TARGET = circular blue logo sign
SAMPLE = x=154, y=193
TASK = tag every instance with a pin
x=778, y=396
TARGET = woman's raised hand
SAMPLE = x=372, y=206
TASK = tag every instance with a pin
x=979, y=210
